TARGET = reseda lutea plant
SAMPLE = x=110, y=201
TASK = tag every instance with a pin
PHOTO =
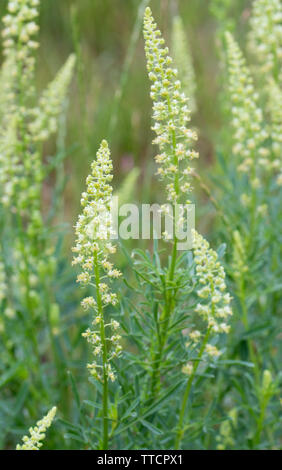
x=93, y=247
x=171, y=113
x=29, y=311
x=169, y=304
x=251, y=164
x=171, y=349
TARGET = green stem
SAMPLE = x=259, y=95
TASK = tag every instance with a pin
x=165, y=318
x=245, y=320
x=105, y=355
x=180, y=430
x=164, y=326
x=169, y=301
x=260, y=424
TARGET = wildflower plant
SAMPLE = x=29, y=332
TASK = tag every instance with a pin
x=249, y=133
x=170, y=114
x=27, y=119
x=158, y=310
x=251, y=176
x=24, y=127
x=265, y=45
x=265, y=37
x=170, y=290
x=254, y=160
x=180, y=346
x=92, y=249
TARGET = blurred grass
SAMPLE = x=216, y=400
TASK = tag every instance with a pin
x=100, y=33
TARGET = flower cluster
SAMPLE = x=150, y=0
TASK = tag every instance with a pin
x=275, y=110
x=249, y=134
x=19, y=35
x=171, y=114
x=9, y=161
x=45, y=116
x=214, y=306
x=92, y=250
x=182, y=57
x=94, y=225
x=37, y=434
x=22, y=170
x=265, y=38
x=8, y=81
x=22, y=126
x=93, y=337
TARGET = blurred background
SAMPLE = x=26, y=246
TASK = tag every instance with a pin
x=110, y=93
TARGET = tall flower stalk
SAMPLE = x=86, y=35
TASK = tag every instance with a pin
x=27, y=122
x=92, y=250
x=247, y=118
x=249, y=132
x=171, y=115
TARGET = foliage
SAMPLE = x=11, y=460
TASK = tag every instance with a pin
x=184, y=345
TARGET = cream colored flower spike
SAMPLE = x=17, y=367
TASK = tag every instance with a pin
x=93, y=247
x=37, y=434
x=214, y=306
x=170, y=114
x=247, y=119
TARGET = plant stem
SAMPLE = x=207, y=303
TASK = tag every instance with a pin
x=165, y=318
x=105, y=355
x=157, y=358
x=180, y=431
x=245, y=320
x=260, y=422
